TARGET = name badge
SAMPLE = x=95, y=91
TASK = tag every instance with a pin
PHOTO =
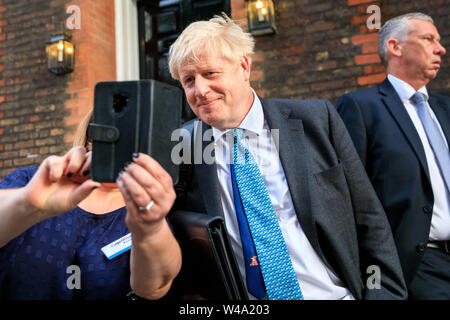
x=117, y=247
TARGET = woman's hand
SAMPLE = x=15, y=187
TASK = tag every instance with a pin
x=57, y=186
x=144, y=181
x=60, y=183
x=155, y=257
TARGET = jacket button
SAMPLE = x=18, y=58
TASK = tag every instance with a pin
x=427, y=209
x=421, y=247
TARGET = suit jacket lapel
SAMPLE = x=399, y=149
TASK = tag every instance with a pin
x=395, y=106
x=207, y=174
x=443, y=115
x=294, y=159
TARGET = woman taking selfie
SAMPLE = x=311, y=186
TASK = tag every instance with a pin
x=59, y=230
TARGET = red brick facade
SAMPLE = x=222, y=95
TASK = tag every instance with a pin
x=322, y=49
x=32, y=107
x=39, y=111
x=96, y=59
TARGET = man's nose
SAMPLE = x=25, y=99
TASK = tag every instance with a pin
x=440, y=49
x=201, y=86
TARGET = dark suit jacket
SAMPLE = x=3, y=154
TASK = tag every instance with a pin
x=392, y=153
x=333, y=198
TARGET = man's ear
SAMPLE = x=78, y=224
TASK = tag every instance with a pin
x=394, y=47
x=245, y=65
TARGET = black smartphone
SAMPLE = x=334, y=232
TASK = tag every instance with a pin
x=131, y=117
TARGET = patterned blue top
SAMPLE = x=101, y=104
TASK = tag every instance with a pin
x=35, y=264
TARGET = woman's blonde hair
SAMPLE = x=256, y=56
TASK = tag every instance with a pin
x=80, y=138
x=218, y=35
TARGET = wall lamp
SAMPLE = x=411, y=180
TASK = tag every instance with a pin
x=261, y=17
x=60, y=54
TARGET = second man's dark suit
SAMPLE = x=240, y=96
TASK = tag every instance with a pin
x=332, y=196
x=391, y=150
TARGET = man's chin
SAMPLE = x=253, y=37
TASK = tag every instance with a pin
x=432, y=74
x=428, y=76
x=214, y=121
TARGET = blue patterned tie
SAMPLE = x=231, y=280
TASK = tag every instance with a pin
x=276, y=266
x=435, y=138
x=255, y=283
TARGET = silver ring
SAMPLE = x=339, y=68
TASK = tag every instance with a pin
x=148, y=207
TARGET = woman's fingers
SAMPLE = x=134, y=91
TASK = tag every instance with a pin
x=131, y=205
x=135, y=191
x=52, y=190
x=54, y=168
x=83, y=190
x=86, y=169
x=155, y=169
x=145, y=181
x=75, y=160
x=67, y=165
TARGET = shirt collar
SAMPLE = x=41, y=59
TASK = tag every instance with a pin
x=404, y=90
x=253, y=121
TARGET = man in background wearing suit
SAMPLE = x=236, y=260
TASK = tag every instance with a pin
x=302, y=218
x=402, y=132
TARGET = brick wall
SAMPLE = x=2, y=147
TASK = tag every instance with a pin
x=32, y=99
x=324, y=48
x=96, y=60
x=311, y=55
x=366, y=40
x=39, y=111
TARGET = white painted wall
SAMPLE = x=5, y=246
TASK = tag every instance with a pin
x=126, y=31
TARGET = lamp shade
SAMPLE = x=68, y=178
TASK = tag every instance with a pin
x=60, y=54
x=261, y=17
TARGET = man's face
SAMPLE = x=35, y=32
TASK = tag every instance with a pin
x=217, y=90
x=421, y=52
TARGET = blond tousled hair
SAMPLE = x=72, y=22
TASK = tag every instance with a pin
x=218, y=35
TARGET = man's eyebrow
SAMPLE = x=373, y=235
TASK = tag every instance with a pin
x=438, y=38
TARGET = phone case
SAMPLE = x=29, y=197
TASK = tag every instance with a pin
x=131, y=117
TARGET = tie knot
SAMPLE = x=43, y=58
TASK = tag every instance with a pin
x=418, y=98
x=238, y=133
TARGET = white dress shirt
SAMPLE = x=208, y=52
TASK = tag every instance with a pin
x=316, y=280
x=440, y=221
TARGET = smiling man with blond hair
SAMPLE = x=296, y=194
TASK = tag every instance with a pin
x=302, y=218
